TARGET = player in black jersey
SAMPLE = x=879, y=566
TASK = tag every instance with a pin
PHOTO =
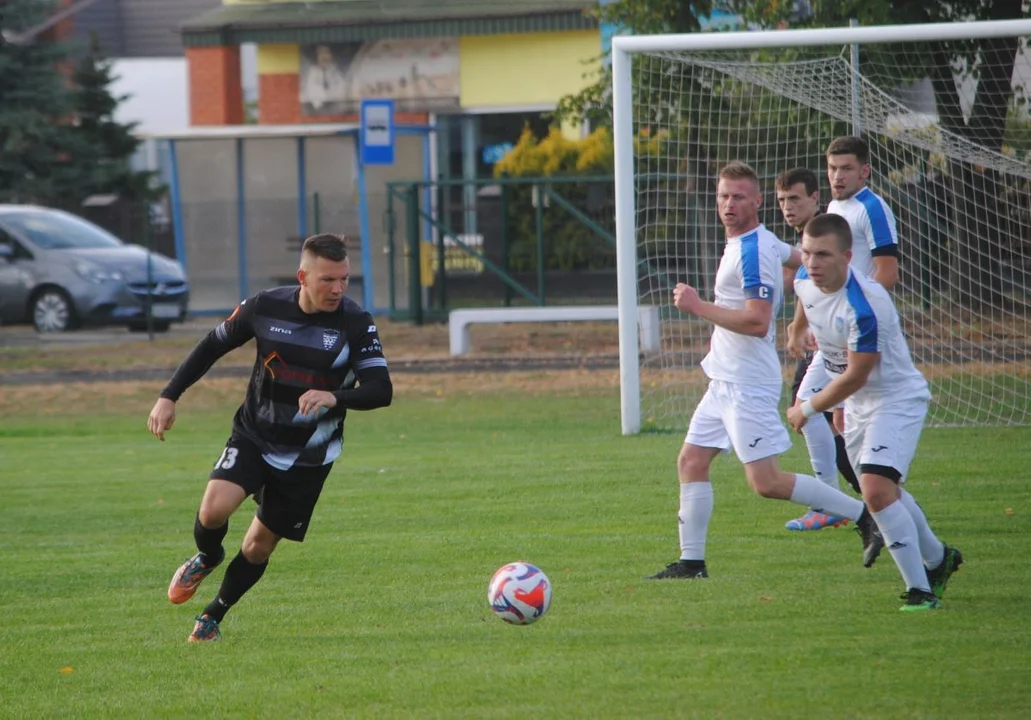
x=318, y=356
x=798, y=195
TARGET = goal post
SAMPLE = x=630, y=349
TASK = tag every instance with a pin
x=957, y=176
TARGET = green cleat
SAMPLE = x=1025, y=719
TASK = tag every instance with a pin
x=920, y=600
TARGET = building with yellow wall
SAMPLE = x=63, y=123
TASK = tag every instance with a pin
x=479, y=73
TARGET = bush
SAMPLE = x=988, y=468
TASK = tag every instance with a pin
x=569, y=243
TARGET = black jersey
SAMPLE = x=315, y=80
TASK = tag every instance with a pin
x=338, y=351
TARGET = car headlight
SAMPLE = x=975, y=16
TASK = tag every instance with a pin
x=97, y=273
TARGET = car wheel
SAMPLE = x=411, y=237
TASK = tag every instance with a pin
x=52, y=311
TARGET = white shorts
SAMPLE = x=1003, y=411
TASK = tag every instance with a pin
x=885, y=437
x=745, y=417
x=816, y=378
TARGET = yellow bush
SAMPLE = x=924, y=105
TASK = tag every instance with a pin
x=557, y=155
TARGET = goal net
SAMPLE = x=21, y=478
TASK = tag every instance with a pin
x=949, y=130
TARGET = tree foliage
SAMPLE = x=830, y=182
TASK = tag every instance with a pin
x=38, y=147
x=973, y=94
x=108, y=145
x=59, y=141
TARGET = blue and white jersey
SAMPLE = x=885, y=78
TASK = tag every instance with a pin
x=749, y=269
x=861, y=317
x=873, y=228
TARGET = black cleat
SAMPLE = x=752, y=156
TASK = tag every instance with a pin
x=939, y=577
x=919, y=601
x=681, y=570
x=873, y=541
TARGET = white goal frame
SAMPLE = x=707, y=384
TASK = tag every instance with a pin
x=622, y=117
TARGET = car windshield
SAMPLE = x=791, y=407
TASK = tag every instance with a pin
x=57, y=230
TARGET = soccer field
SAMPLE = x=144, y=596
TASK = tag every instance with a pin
x=382, y=612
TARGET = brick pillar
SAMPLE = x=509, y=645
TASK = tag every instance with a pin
x=216, y=95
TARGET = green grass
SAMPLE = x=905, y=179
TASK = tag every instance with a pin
x=381, y=613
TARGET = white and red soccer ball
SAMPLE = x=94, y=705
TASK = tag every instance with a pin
x=519, y=593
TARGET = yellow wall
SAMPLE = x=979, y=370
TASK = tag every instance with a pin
x=273, y=59
x=534, y=68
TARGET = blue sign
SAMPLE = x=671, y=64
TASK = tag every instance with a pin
x=377, y=132
x=493, y=154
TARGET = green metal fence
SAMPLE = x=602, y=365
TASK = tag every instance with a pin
x=528, y=241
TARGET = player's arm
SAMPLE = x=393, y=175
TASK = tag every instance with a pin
x=886, y=269
x=232, y=333
x=754, y=320
x=791, y=259
x=373, y=388
x=884, y=244
x=860, y=365
x=797, y=329
x=758, y=272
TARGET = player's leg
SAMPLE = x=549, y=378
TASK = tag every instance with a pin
x=706, y=438
x=882, y=462
x=753, y=422
x=288, y=501
x=893, y=437
x=841, y=458
x=819, y=439
x=227, y=488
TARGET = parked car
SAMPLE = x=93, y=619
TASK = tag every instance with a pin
x=59, y=271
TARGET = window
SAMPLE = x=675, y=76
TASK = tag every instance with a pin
x=53, y=230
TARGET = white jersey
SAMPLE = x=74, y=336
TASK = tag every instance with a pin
x=750, y=268
x=861, y=317
x=873, y=228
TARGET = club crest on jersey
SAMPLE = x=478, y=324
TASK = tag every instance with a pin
x=839, y=325
x=329, y=338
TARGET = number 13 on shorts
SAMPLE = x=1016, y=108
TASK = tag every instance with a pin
x=227, y=459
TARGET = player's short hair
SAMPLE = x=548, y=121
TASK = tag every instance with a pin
x=737, y=170
x=326, y=245
x=807, y=177
x=850, y=145
x=830, y=224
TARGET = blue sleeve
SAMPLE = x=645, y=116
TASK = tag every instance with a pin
x=751, y=271
x=882, y=223
x=864, y=335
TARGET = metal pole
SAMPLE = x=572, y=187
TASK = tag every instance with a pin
x=414, y=255
x=149, y=241
x=539, y=195
x=505, y=238
x=302, y=190
x=857, y=127
x=241, y=220
x=626, y=241
x=391, y=228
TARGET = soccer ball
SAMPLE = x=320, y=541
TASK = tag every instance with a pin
x=519, y=593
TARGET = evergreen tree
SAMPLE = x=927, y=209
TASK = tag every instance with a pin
x=38, y=146
x=108, y=144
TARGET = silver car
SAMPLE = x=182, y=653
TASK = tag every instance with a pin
x=59, y=271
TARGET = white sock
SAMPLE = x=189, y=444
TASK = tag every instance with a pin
x=823, y=454
x=811, y=492
x=900, y=537
x=931, y=547
x=695, y=510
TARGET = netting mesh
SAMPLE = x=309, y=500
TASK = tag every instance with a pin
x=950, y=152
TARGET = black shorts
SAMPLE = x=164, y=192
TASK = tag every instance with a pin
x=286, y=498
x=800, y=371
